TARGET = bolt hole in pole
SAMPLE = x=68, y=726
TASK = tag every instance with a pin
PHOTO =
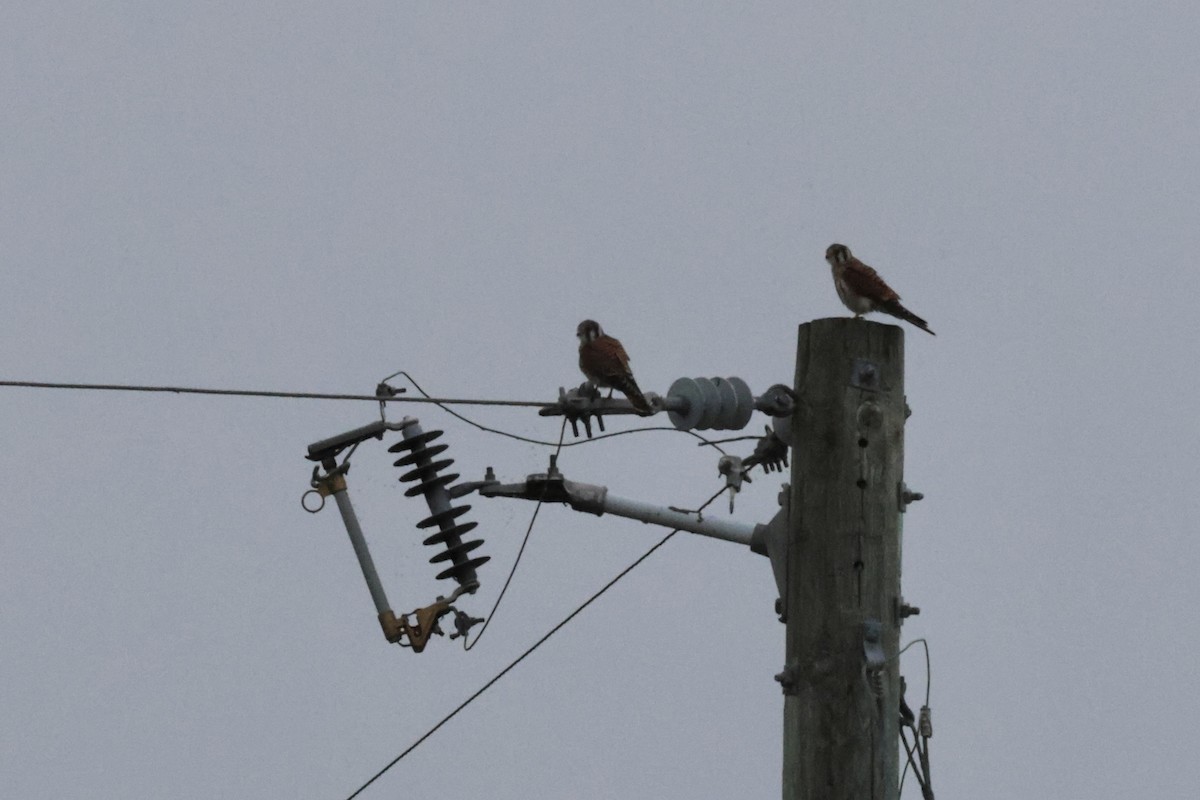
x=861, y=483
x=862, y=442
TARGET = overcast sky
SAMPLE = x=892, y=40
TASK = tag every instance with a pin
x=310, y=196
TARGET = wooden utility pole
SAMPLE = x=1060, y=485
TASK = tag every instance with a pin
x=842, y=601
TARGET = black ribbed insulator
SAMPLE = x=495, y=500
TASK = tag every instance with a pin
x=445, y=516
x=432, y=482
x=426, y=470
x=449, y=533
x=416, y=442
x=411, y=458
x=436, y=482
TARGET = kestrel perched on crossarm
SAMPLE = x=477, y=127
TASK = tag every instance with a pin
x=862, y=290
x=604, y=362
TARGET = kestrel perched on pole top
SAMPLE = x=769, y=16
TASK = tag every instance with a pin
x=862, y=290
x=605, y=363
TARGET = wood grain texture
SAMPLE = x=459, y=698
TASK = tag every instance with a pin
x=840, y=740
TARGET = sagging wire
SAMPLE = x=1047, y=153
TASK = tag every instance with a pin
x=519, y=659
x=560, y=444
x=383, y=400
x=520, y=552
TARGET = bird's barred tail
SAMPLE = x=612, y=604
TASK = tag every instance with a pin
x=899, y=311
x=627, y=386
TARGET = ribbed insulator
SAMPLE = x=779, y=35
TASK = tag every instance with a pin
x=722, y=404
x=432, y=482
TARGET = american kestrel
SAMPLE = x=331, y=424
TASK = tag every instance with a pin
x=862, y=290
x=604, y=362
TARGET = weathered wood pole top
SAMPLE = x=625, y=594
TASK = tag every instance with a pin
x=840, y=727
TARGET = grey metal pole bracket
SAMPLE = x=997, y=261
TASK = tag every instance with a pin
x=584, y=402
x=552, y=487
x=789, y=680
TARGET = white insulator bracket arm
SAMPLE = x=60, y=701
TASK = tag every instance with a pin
x=716, y=527
x=553, y=488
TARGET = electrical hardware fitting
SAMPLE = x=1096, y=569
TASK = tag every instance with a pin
x=691, y=404
x=434, y=484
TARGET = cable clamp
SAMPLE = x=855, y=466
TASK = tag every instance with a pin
x=735, y=473
x=426, y=620
x=583, y=403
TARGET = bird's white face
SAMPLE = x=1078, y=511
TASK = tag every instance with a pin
x=837, y=254
x=588, y=331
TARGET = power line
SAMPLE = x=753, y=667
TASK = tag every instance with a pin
x=520, y=551
x=441, y=402
x=521, y=657
x=559, y=444
x=518, y=660
x=115, y=387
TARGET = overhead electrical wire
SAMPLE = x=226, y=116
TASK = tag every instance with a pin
x=514, y=663
x=441, y=402
x=115, y=387
x=559, y=444
x=382, y=398
x=523, y=655
x=520, y=552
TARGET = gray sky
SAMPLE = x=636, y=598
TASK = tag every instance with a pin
x=309, y=196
